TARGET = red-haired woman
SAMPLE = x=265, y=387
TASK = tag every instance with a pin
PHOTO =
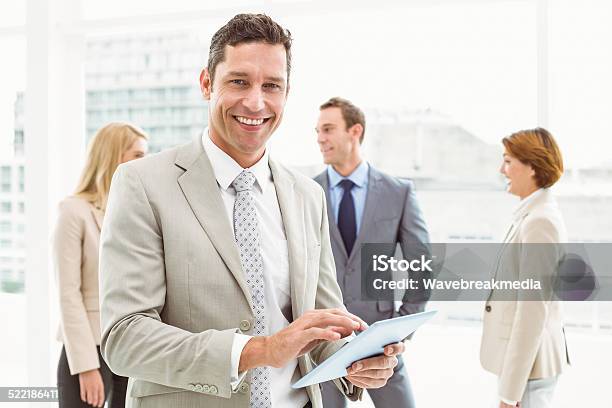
x=523, y=341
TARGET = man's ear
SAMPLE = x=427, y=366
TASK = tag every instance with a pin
x=356, y=131
x=205, y=84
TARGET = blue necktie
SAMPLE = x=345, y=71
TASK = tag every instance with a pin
x=347, y=224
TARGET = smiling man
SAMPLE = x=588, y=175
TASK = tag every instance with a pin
x=218, y=285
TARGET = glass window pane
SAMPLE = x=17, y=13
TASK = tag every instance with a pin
x=118, y=8
x=143, y=89
x=12, y=13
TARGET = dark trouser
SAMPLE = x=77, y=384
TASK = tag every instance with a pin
x=397, y=393
x=69, y=389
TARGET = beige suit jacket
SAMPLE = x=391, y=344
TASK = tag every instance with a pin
x=173, y=293
x=525, y=340
x=75, y=257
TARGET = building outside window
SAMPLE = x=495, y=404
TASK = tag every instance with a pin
x=5, y=179
x=6, y=207
x=21, y=180
x=5, y=226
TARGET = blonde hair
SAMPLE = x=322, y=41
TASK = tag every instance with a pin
x=104, y=155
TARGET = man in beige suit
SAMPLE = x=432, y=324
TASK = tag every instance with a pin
x=217, y=281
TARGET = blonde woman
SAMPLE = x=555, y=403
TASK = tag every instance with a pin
x=523, y=341
x=83, y=378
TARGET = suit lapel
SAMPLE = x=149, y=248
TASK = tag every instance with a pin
x=98, y=216
x=510, y=234
x=201, y=191
x=291, y=206
x=367, y=219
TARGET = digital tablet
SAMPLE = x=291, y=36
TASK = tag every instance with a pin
x=368, y=343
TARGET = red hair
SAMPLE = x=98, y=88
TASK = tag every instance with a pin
x=537, y=148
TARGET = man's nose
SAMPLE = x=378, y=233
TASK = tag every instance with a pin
x=321, y=137
x=254, y=100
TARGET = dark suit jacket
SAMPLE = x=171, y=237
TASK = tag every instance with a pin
x=391, y=215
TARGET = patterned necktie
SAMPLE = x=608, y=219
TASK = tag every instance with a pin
x=347, y=223
x=246, y=230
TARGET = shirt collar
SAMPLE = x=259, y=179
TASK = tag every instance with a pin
x=527, y=203
x=226, y=169
x=359, y=176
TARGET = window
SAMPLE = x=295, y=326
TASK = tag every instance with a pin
x=5, y=243
x=6, y=274
x=6, y=207
x=19, y=142
x=5, y=226
x=5, y=179
x=21, y=179
x=21, y=206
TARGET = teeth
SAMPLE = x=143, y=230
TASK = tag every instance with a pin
x=247, y=121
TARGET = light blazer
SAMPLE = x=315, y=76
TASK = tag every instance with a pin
x=524, y=340
x=172, y=289
x=75, y=250
x=391, y=215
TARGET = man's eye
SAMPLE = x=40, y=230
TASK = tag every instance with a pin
x=238, y=81
x=272, y=86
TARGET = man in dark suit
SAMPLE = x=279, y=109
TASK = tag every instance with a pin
x=366, y=206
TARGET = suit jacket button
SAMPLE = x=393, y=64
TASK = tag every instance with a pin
x=244, y=388
x=488, y=308
x=245, y=325
x=213, y=389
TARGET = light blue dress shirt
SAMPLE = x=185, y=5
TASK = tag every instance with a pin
x=359, y=176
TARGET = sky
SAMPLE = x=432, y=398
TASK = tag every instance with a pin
x=475, y=62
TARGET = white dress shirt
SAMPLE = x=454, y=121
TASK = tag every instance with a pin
x=359, y=177
x=275, y=267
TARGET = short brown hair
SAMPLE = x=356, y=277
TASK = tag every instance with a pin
x=351, y=114
x=537, y=148
x=247, y=28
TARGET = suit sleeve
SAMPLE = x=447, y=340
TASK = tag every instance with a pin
x=135, y=341
x=67, y=249
x=414, y=241
x=537, y=261
x=329, y=296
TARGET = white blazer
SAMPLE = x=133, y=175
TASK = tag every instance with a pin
x=524, y=340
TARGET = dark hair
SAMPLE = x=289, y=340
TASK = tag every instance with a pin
x=537, y=148
x=247, y=28
x=351, y=114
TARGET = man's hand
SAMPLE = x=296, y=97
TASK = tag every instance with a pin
x=374, y=372
x=300, y=337
x=502, y=404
